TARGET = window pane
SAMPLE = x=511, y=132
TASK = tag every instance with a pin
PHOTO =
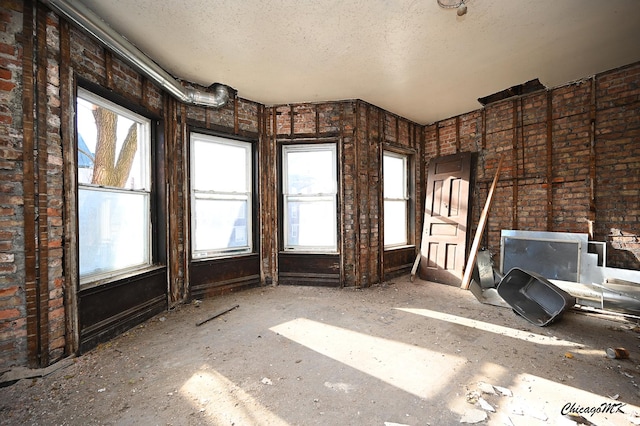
x=113, y=230
x=311, y=224
x=220, y=167
x=395, y=222
x=220, y=224
x=394, y=177
x=112, y=145
x=310, y=172
x=221, y=183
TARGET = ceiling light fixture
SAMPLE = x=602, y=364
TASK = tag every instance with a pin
x=454, y=4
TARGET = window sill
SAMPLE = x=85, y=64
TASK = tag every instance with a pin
x=116, y=277
x=402, y=247
x=225, y=256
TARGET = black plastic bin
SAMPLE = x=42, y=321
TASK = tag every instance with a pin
x=533, y=297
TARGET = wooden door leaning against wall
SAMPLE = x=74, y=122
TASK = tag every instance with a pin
x=445, y=219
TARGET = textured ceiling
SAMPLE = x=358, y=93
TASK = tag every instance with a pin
x=410, y=57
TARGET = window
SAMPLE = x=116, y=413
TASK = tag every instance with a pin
x=309, y=196
x=114, y=188
x=396, y=199
x=221, y=196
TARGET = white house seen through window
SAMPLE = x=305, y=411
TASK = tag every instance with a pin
x=309, y=197
x=221, y=196
x=114, y=185
x=396, y=199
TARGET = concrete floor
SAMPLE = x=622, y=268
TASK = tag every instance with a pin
x=412, y=353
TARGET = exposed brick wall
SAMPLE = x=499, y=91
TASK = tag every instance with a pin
x=533, y=196
x=589, y=130
x=617, y=147
x=13, y=323
x=55, y=195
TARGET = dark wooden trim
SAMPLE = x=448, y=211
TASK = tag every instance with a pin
x=110, y=309
x=116, y=98
x=398, y=260
x=309, y=269
x=216, y=276
x=307, y=137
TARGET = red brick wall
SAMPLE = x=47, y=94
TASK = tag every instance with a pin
x=617, y=149
x=571, y=164
x=13, y=313
x=559, y=172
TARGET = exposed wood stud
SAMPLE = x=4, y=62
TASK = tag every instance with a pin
x=186, y=196
x=69, y=150
x=549, y=176
x=367, y=200
x=317, y=121
x=274, y=196
x=108, y=67
x=397, y=130
x=176, y=286
x=437, y=139
x=514, y=165
x=356, y=193
x=29, y=187
x=458, y=143
x=341, y=193
x=484, y=128
x=592, y=159
x=381, y=274
x=42, y=185
x=292, y=121
x=522, y=142
x=144, y=92
x=236, y=119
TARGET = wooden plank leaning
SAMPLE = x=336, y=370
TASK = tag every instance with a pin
x=466, y=279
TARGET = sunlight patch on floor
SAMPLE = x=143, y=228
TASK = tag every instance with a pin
x=223, y=402
x=414, y=369
x=534, y=395
x=526, y=336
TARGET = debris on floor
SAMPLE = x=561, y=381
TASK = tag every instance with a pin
x=216, y=315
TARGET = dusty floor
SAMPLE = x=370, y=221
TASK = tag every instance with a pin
x=412, y=353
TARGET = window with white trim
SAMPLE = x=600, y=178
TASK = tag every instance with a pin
x=309, y=189
x=114, y=188
x=396, y=199
x=221, y=196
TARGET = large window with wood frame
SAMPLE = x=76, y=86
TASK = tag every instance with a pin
x=396, y=199
x=114, y=188
x=221, y=196
x=309, y=189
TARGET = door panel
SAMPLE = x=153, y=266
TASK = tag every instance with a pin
x=445, y=219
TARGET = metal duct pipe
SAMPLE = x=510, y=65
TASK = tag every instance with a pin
x=87, y=20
